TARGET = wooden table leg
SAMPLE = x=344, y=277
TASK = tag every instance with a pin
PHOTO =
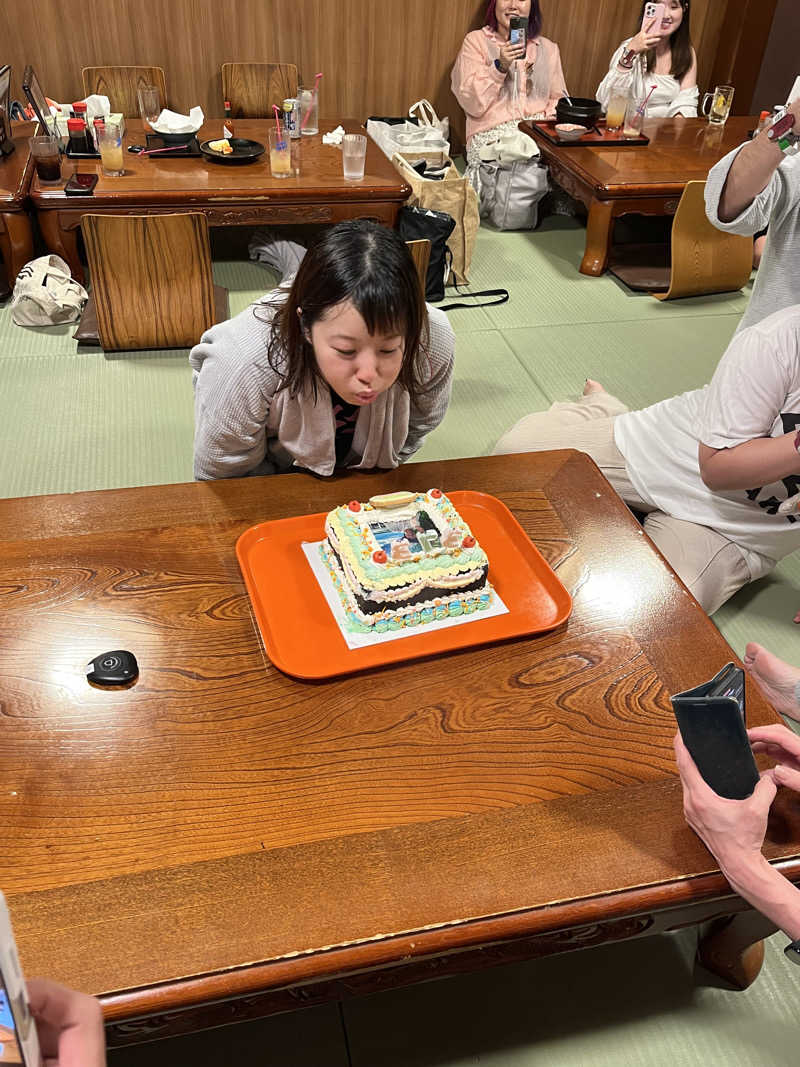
x=63, y=242
x=598, y=237
x=16, y=243
x=734, y=948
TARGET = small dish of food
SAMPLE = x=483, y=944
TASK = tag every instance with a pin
x=569, y=131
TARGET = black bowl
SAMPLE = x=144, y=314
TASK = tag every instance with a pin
x=175, y=138
x=582, y=111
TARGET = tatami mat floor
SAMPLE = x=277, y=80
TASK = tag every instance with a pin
x=78, y=420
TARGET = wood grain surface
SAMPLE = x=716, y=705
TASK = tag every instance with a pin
x=16, y=233
x=152, y=279
x=252, y=88
x=122, y=84
x=238, y=831
x=376, y=58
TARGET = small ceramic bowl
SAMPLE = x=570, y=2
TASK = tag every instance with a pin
x=569, y=131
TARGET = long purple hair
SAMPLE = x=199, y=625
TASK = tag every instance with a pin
x=534, y=19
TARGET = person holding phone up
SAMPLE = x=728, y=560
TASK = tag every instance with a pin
x=755, y=186
x=660, y=54
x=498, y=82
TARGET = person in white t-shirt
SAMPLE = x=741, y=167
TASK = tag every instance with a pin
x=710, y=468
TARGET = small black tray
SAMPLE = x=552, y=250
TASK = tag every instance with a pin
x=80, y=155
x=190, y=149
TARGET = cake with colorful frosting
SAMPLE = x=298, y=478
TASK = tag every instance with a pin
x=403, y=559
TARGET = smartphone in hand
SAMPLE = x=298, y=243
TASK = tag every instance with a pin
x=19, y=1043
x=653, y=11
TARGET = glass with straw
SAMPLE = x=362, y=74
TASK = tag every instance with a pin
x=280, y=152
x=309, y=108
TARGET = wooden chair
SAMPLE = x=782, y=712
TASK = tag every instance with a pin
x=152, y=285
x=121, y=85
x=421, y=254
x=704, y=259
x=252, y=88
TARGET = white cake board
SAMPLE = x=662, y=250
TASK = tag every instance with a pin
x=357, y=640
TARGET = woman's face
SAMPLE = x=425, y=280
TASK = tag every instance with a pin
x=673, y=17
x=356, y=364
x=504, y=9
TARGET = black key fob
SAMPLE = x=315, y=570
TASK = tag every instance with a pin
x=113, y=668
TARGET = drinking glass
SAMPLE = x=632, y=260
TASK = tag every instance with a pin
x=280, y=153
x=46, y=158
x=615, y=113
x=309, y=106
x=720, y=100
x=109, y=141
x=634, y=120
x=354, y=153
x=149, y=103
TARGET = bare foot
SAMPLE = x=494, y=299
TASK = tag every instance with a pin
x=776, y=680
x=592, y=387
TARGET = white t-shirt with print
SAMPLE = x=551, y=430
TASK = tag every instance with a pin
x=755, y=392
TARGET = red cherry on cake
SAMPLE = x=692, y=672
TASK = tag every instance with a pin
x=468, y=542
x=379, y=556
x=354, y=505
x=436, y=493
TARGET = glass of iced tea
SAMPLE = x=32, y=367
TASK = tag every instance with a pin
x=280, y=153
x=109, y=141
x=46, y=159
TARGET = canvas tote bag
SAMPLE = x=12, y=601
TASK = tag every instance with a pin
x=453, y=195
x=45, y=294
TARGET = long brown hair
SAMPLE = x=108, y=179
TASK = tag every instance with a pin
x=680, y=44
x=371, y=267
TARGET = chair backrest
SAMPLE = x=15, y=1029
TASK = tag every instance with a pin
x=151, y=279
x=121, y=85
x=421, y=254
x=704, y=259
x=252, y=88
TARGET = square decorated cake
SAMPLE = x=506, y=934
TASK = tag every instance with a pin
x=403, y=559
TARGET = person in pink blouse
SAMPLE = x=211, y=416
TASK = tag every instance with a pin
x=498, y=83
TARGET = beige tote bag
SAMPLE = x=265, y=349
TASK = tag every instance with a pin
x=454, y=195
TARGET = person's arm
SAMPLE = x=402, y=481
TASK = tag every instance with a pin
x=733, y=831
x=432, y=403
x=69, y=1025
x=232, y=394
x=685, y=103
x=750, y=173
x=620, y=78
x=476, y=84
x=743, y=400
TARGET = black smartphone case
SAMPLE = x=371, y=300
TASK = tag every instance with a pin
x=711, y=719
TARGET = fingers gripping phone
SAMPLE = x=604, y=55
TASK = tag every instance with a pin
x=711, y=719
x=654, y=11
x=19, y=1043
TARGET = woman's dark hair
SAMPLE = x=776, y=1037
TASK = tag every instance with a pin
x=680, y=43
x=534, y=19
x=369, y=266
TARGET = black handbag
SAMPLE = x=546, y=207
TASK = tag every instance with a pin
x=419, y=224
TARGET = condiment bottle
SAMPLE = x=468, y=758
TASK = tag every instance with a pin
x=78, y=137
x=763, y=121
x=97, y=125
x=227, y=128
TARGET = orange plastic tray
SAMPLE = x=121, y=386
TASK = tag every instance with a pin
x=302, y=638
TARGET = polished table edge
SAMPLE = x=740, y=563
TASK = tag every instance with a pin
x=14, y=200
x=391, y=187
x=652, y=190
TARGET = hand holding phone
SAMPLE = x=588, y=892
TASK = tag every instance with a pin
x=18, y=1037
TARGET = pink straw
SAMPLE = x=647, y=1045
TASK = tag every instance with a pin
x=277, y=122
x=643, y=105
x=313, y=98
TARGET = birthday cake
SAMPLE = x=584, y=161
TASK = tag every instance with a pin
x=403, y=559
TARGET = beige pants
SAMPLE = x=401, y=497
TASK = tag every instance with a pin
x=711, y=566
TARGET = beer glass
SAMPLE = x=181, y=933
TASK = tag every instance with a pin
x=720, y=100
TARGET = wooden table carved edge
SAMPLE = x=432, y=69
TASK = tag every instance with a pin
x=16, y=232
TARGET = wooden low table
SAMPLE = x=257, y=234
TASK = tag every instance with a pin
x=649, y=180
x=16, y=234
x=228, y=195
x=222, y=841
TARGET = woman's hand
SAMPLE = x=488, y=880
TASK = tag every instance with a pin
x=69, y=1025
x=645, y=39
x=509, y=53
x=732, y=830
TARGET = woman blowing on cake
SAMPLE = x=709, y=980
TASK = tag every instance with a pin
x=498, y=83
x=660, y=55
x=344, y=365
